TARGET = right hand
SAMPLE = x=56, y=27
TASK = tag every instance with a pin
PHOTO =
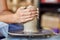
x=23, y=15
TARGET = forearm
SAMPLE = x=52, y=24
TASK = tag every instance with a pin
x=7, y=17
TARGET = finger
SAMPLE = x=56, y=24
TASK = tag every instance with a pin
x=25, y=17
x=29, y=16
x=35, y=15
x=34, y=12
x=32, y=8
x=29, y=19
x=22, y=8
x=29, y=13
x=38, y=12
x=27, y=10
x=26, y=13
x=37, y=9
x=32, y=15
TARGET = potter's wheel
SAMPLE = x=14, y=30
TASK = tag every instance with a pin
x=40, y=33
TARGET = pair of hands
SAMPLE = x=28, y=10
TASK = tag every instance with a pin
x=25, y=14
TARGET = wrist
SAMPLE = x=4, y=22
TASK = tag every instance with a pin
x=16, y=18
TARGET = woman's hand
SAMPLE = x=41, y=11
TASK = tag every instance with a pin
x=24, y=15
x=34, y=10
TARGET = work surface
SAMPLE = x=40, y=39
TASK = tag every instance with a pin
x=41, y=37
x=49, y=37
x=19, y=38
